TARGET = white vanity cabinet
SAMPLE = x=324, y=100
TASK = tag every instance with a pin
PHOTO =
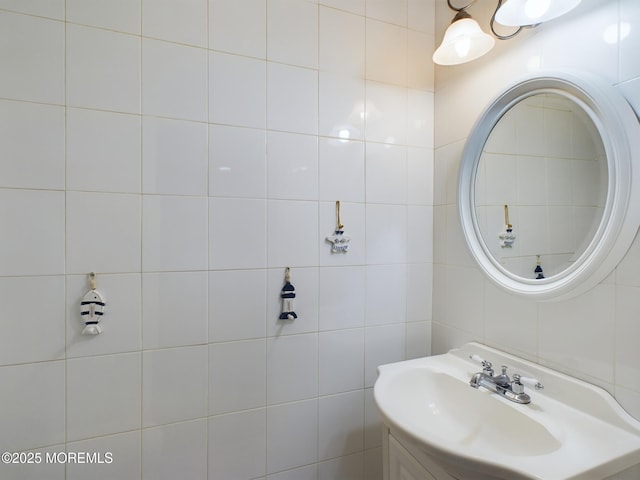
x=402, y=465
x=402, y=461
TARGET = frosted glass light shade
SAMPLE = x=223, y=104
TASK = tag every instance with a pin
x=530, y=12
x=463, y=41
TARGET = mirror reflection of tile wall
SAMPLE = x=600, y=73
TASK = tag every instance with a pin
x=546, y=161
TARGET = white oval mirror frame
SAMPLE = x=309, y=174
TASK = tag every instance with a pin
x=620, y=131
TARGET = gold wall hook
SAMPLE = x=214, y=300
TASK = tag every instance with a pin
x=339, y=225
x=506, y=216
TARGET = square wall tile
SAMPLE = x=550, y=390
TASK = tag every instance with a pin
x=28, y=337
x=103, y=69
x=341, y=170
x=237, y=445
x=174, y=80
x=292, y=368
x=237, y=90
x=342, y=297
x=341, y=361
x=292, y=96
x=237, y=232
x=292, y=166
x=418, y=339
x=420, y=234
x=237, y=313
x=121, y=319
x=118, y=15
x=168, y=371
x=32, y=145
x=420, y=67
x=386, y=240
x=383, y=344
x=27, y=421
x=341, y=110
x=237, y=162
x=172, y=451
x=420, y=176
x=125, y=454
x=174, y=157
x=341, y=423
x=386, y=114
x=292, y=32
x=288, y=246
x=237, y=376
x=591, y=351
x=385, y=297
x=467, y=283
x=421, y=15
x=342, y=42
x=292, y=435
x=386, y=46
x=386, y=173
x=174, y=232
x=103, y=151
x=103, y=232
x=103, y=395
x=174, y=309
x=33, y=238
x=238, y=27
x=420, y=119
x=419, y=291
x=34, y=65
x=180, y=21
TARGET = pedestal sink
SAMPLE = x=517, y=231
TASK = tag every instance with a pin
x=570, y=430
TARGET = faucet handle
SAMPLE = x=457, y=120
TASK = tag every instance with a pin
x=529, y=382
x=487, y=367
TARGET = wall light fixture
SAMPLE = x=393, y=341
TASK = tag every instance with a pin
x=465, y=41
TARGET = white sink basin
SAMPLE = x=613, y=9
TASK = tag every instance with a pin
x=571, y=429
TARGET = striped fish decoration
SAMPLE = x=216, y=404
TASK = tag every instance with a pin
x=91, y=310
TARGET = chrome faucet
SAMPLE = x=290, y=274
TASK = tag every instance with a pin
x=501, y=384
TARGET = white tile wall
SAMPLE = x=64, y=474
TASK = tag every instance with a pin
x=237, y=444
x=169, y=451
x=106, y=403
x=103, y=151
x=36, y=62
x=174, y=157
x=595, y=335
x=292, y=435
x=32, y=139
x=168, y=371
x=188, y=151
x=103, y=69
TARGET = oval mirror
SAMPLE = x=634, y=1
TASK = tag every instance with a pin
x=545, y=188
